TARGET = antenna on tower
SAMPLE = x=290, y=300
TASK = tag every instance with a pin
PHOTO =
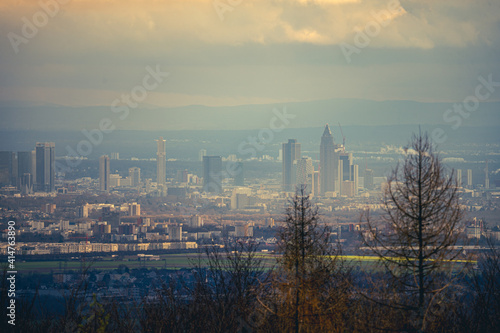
x=343, y=138
x=486, y=178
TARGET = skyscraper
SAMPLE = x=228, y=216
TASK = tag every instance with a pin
x=316, y=186
x=33, y=165
x=369, y=179
x=161, y=162
x=134, y=209
x=212, y=174
x=239, y=176
x=459, y=178
x=354, y=178
x=346, y=159
x=24, y=171
x=104, y=173
x=469, y=178
x=45, y=166
x=23, y=162
x=486, y=177
x=202, y=152
x=182, y=176
x=291, y=153
x=330, y=168
x=7, y=164
x=135, y=176
x=305, y=174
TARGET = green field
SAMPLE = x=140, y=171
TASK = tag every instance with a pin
x=169, y=261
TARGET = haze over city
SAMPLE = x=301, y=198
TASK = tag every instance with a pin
x=154, y=153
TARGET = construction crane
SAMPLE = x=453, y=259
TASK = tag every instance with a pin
x=343, y=138
x=486, y=178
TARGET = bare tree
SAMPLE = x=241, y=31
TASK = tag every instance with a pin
x=481, y=310
x=308, y=290
x=226, y=280
x=419, y=229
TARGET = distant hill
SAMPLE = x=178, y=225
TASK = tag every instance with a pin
x=349, y=112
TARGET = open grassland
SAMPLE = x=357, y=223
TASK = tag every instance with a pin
x=180, y=261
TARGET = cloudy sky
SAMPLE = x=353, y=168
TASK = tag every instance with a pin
x=231, y=52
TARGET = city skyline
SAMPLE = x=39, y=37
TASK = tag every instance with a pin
x=228, y=165
x=346, y=174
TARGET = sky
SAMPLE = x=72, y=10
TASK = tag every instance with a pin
x=235, y=52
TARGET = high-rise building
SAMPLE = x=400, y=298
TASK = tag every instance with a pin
x=459, y=178
x=23, y=163
x=115, y=180
x=354, y=178
x=7, y=165
x=24, y=172
x=195, y=221
x=486, y=177
x=269, y=222
x=330, y=165
x=134, y=209
x=135, y=176
x=369, y=179
x=115, y=156
x=239, y=200
x=347, y=188
x=45, y=166
x=243, y=229
x=111, y=217
x=212, y=174
x=26, y=183
x=291, y=153
x=83, y=211
x=175, y=232
x=469, y=178
x=305, y=174
x=346, y=159
x=203, y=152
x=33, y=165
x=182, y=176
x=316, y=182
x=161, y=162
x=239, y=176
x=104, y=183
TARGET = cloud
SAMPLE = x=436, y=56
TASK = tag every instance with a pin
x=263, y=49
x=162, y=25
x=454, y=160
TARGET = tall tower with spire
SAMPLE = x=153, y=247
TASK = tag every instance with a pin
x=486, y=177
x=161, y=162
x=330, y=180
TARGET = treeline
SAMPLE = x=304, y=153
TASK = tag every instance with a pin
x=233, y=291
